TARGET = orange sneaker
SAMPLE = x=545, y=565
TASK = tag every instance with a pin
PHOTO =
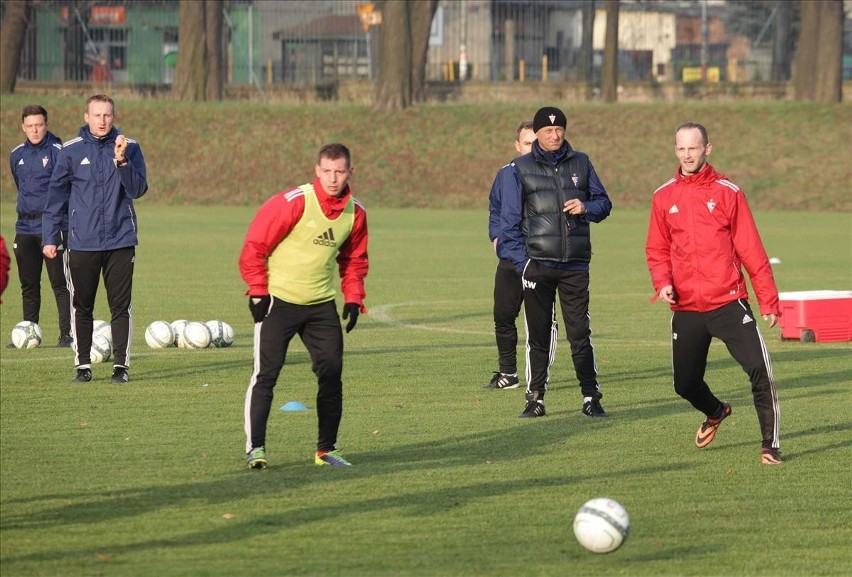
x=770, y=456
x=708, y=428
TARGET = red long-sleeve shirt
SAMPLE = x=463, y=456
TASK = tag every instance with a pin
x=4, y=266
x=701, y=234
x=274, y=221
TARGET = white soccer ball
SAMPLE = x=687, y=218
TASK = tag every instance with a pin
x=177, y=327
x=26, y=335
x=195, y=335
x=602, y=525
x=102, y=328
x=221, y=334
x=101, y=348
x=159, y=335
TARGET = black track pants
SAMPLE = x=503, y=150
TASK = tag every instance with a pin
x=29, y=258
x=319, y=328
x=85, y=269
x=508, y=297
x=736, y=326
x=541, y=285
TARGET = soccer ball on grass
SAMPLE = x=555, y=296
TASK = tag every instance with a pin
x=602, y=525
x=221, y=334
x=26, y=335
x=177, y=327
x=195, y=335
x=102, y=328
x=160, y=335
x=101, y=348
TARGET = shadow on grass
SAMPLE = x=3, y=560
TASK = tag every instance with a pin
x=501, y=446
x=415, y=503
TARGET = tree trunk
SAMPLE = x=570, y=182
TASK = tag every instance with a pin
x=214, y=61
x=782, y=47
x=199, y=74
x=191, y=69
x=587, y=54
x=422, y=13
x=829, y=73
x=817, y=73
x=609, y=75
x=12, y=34
x=394, y=85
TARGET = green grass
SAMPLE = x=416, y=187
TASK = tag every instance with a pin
x=445, y=156
x=137, y=480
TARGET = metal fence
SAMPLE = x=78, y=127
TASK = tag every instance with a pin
x=326, y=41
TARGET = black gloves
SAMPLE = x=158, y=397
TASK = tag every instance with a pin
x=259, y=306
x=351, y=312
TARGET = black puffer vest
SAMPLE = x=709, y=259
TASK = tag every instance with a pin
x=549, y=233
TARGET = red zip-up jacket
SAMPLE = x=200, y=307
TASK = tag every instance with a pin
x=700, y=236
x=274, y=221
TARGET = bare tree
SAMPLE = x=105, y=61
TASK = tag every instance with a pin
x=422, y=14
x=586, y=64
x=214, y=17
x=198, y=74
x=609, y=74
x=12, y=33
x=782, y=45
x=817, y=72
x=404, y=44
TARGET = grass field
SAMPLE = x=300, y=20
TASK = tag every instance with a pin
x=445, y=156
x=147, y=478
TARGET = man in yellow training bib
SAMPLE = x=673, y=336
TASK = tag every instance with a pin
x=288, y=262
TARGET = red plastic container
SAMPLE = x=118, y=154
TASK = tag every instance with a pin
x=820, y=316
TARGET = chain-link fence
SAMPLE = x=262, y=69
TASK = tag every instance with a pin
x=318, y=42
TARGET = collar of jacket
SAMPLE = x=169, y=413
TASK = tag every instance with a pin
x=553, y=158
x=49, y=139
x=86, y=134
x=329, y=203
x=706, y=174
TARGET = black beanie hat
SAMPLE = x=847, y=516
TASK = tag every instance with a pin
x=549, y=116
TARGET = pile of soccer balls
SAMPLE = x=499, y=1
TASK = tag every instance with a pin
x=189, y=334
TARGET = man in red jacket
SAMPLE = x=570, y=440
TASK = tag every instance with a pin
x=700, y=236
x=287, y=262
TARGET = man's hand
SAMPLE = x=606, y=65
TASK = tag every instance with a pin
x=259, y=306
x=49, y=250
x=120, y=147
x=351, y=312
x=667, y=294
x=772, y=319
x=574, y=206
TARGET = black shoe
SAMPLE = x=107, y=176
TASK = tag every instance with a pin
x=503, y=381
x=534, y=408
x=593, y=408
x=83, y=376
x=65, y=342
x=119, y=375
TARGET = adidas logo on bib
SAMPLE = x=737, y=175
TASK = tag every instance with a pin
x=326, y=238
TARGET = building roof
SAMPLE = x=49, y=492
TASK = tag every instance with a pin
x=331, y=26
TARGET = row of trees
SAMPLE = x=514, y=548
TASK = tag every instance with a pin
x=199, y=74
